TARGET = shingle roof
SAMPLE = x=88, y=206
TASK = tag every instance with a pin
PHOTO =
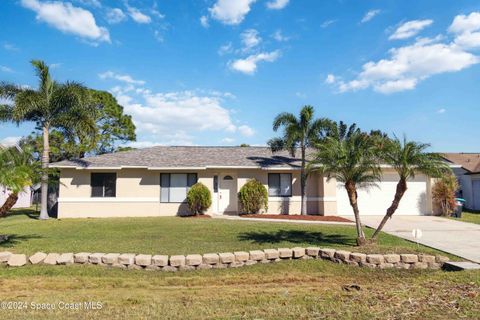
x=187, y=157
x=468, y=161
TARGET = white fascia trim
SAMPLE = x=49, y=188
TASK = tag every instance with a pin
x=107, y=200
x=298, y=199
x=175, y=168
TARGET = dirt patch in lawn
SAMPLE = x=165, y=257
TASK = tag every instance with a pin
x=296, y=217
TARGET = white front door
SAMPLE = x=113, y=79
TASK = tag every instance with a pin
x=227, y=193
x=476, y=194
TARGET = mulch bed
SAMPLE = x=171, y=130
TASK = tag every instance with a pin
x=296, y=217
x=199, y=216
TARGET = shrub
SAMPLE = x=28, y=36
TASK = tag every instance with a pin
x=199, y=198
x=253, y=196
x=443, y=193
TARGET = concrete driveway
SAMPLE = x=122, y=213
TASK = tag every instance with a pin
x=459, y=238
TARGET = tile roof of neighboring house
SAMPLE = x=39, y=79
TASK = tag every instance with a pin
x=187, y=157
x=468, y=161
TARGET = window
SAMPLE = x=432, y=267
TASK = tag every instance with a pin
x=174, y=186
x=227, y=178
x=104, y=185
x=280, y=184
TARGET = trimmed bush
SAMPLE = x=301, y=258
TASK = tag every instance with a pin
x=199, y=198
x=253, y=196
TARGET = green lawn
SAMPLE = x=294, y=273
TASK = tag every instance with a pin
x=301, y=289
x=472, y=217
x=174, y=235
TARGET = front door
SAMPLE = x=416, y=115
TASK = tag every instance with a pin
x=227, y=194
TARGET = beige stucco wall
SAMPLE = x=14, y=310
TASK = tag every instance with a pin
x=138, y=193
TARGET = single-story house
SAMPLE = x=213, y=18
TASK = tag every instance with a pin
x=154, y=182
x=24, y=197
x=467, y=170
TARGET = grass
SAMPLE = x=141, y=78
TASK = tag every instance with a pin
x=301, y=289
x=472, y=217
x=174, y=235
x=306, y=289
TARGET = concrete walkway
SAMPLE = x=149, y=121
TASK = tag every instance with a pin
x=458, y=238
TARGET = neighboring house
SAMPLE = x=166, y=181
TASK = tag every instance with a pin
x=467, y=170
x=24, y=198
x=154, y=182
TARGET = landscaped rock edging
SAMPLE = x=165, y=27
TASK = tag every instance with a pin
x=226, y=259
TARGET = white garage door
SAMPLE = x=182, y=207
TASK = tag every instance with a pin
x=375, y=201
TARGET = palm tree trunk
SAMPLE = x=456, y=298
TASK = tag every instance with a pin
x=352, y=196
x=44, y=178
x=9, y=203
x=303, y=182
x=401, y=189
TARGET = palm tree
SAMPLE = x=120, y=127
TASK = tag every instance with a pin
x=408, y=158
x=53, y=105
x=17, y=171
x=351, y=159
x=302, y=132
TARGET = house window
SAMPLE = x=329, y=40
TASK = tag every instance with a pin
x=174, y=186
x=104, y=185
x=280, y=184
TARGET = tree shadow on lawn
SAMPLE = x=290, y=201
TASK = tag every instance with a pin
x=10, y=240
x=296, y=236
x=32, y=214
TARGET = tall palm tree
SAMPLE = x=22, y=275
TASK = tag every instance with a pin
x=302, y=132
x=17, y=172
x=51, y=105
x=352, y=160
x=408, y=158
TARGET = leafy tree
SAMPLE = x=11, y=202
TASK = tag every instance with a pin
x=199, y=198
x=17, y=172
x=112, y=127
x=253, y=196
x=53, y=105
x=299, y=133
x=408, y=158
x=351, y=159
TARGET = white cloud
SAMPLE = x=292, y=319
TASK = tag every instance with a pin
x=410, y=29
x=277, y=4
x=330, y=79
x=370, y=15
x=279, y=36
x=467, y=30
x=92, y=3
x=5, y=69
x=409, y=65
x=327, y=23
x=225, y=49
x=249, y=64
x=301, y=95
x=115, y=15
x=10, y=47
x=230, y=12
x=10, y=141
x=138, y=16
x=228, y=140
x=246, y=131
x=68, y=19
x=441, y=110
x=250, y=39
x=120, y=77
x=204, y=21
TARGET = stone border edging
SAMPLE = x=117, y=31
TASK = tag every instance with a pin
x=226, y=259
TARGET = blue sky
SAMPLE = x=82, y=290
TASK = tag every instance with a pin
x=216, y=72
